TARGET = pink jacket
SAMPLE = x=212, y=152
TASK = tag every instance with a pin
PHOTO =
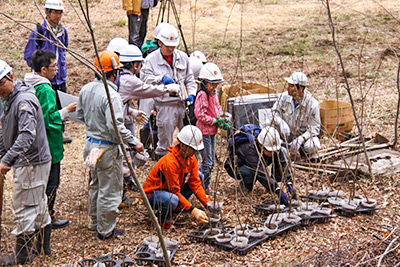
x=206, y=109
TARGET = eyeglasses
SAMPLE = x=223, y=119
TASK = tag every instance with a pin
x=53, y=66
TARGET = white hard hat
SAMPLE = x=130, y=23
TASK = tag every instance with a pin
x=198, y=54
x=297, y=78
x=131, y=53
x=195, y=65
x=169, y=35
x=269, y=138
x=211, y=72
x=117, y=45
x=4, y=69
x=191, y=136
x=159, y=27
x=54, y=4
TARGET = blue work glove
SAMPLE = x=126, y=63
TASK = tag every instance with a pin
x=292, y=191
x=167, y=80
x=190, y=98
x=283, y=198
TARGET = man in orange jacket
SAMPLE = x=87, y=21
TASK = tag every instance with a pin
x=175, y=178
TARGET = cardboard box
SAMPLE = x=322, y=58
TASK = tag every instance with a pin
x=336, y=116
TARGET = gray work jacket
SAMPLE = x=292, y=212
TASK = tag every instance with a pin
x=23, y=138
x=303, y=120
x=93, y=109
x=155, y=67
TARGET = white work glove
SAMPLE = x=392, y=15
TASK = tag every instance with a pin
x=173, y=89
x=199, y=215
x=285, y=129
x=141, y=117
x=296, y=143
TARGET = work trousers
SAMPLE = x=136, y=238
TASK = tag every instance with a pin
x=29, y=205
x=249, y=176
x=138, y=27
x=105, y=188
x=169, y=116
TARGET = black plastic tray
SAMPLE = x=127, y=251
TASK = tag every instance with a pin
x=352, y=213
x=145, y=256
x=318, y=219
x=198, y=235
x=262, y=208
x=318, y=199
x=117, y=259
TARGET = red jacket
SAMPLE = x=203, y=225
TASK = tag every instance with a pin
x=171, y=172
x=206, y=109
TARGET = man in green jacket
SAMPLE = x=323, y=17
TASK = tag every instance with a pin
x=45, y=67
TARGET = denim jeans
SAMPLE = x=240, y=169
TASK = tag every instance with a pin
x=165, y=202
x=208, y=158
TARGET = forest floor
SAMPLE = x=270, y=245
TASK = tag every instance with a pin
x=261, y=41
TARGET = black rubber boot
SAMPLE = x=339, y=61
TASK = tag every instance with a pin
x=23, y=251
x=43, y=240
x=58, y=223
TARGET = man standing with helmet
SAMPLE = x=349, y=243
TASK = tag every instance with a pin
x=138, y=14
x=152, y=45
x=175, y=178
x=54, y=11
x=117, y=44
x=169, y=65
x=105, y=188
x=132, y=88
x=296, y=114
x=24, y=146
x=251, y=167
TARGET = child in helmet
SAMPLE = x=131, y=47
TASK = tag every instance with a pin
x=208, y=112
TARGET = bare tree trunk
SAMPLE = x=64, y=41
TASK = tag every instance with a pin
x=347, y=87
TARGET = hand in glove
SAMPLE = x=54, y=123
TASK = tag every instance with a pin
x=141, y=117
x=190, y=99
x=285, y=129
x=227, y=126
x=283, y=198
x=167, y=80
x=199, y=215
x=137, y=148
x=223, y=123
x=173, y=89
x=296, y=143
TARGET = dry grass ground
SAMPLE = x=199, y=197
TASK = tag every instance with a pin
x=261, y=41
